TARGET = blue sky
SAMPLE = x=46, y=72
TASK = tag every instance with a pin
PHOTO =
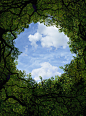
x=44, y=50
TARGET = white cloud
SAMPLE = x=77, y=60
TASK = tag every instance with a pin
x=46, y=71
x=26, y=48
x=34, y=38
x=52, y=37
x=23, y=54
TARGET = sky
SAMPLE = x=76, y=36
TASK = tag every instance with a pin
x=44, y=50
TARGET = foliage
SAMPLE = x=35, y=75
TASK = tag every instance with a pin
x=66, y=94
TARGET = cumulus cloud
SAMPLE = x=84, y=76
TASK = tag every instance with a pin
x=46, y=71
x=34, y=38
x=52, y=37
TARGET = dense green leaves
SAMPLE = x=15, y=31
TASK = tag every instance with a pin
x=62, y=96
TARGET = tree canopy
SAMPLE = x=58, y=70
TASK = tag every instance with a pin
x=66, y=95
